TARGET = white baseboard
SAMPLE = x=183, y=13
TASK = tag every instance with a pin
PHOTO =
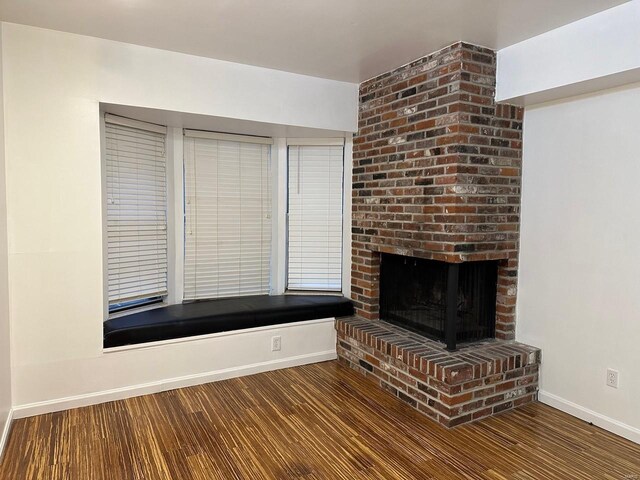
x=602, y=421
x=94, y=398
x=4, y=435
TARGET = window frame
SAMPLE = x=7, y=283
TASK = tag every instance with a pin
x=240, y=139
x=347, y=144
x=154, y=302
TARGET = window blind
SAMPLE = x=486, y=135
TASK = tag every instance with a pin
x=315, y=217
x=136, y=212
x=227, y=216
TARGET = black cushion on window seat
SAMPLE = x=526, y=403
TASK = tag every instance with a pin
x=212, y=316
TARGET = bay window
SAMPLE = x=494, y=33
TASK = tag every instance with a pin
x=221, y=231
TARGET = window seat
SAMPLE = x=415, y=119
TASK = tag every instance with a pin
x=213, y=316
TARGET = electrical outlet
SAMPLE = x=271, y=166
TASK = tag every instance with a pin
x=612, y=378
x=276, y=343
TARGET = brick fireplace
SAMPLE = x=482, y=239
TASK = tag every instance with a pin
x=437, y=177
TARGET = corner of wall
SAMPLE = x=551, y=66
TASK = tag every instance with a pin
x=5, y=328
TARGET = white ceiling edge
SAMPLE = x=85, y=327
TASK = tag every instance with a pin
x=212, y=123
x=345, y=40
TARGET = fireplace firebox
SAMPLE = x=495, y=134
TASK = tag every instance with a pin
x=450, y=302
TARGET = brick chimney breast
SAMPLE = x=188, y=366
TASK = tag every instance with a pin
x=437, y=173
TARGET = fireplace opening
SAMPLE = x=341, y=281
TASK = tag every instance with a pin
x=449, y=302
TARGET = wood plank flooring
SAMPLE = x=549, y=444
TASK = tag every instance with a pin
x=319, y=421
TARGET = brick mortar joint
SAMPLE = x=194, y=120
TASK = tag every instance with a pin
x=460, y=405
x=462, y=392
x=442, y=378
x=458, y=45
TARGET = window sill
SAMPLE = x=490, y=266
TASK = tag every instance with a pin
x=132, y=311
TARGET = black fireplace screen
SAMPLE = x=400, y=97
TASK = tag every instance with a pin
x=415, y=294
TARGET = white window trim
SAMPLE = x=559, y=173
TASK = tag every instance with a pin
x=282, y=181
x=347, y=214
x=232, y=137
x=321, y=142
x=129, y=122
x=103, y=199
x=279, y=216
x=279, y=161
x=175, y=215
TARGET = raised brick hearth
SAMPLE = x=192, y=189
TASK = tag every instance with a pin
x=450, y=387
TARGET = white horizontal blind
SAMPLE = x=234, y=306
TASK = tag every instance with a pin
x=227, y=218
x=136, y=213
x=315, y=218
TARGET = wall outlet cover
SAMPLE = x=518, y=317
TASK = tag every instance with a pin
x=276, y=343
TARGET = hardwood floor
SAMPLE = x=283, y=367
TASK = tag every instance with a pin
x=320, y=421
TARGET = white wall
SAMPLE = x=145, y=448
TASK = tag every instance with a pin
x=5, y=357
x=579, y=278
x=53, y=85
x=591, y=54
